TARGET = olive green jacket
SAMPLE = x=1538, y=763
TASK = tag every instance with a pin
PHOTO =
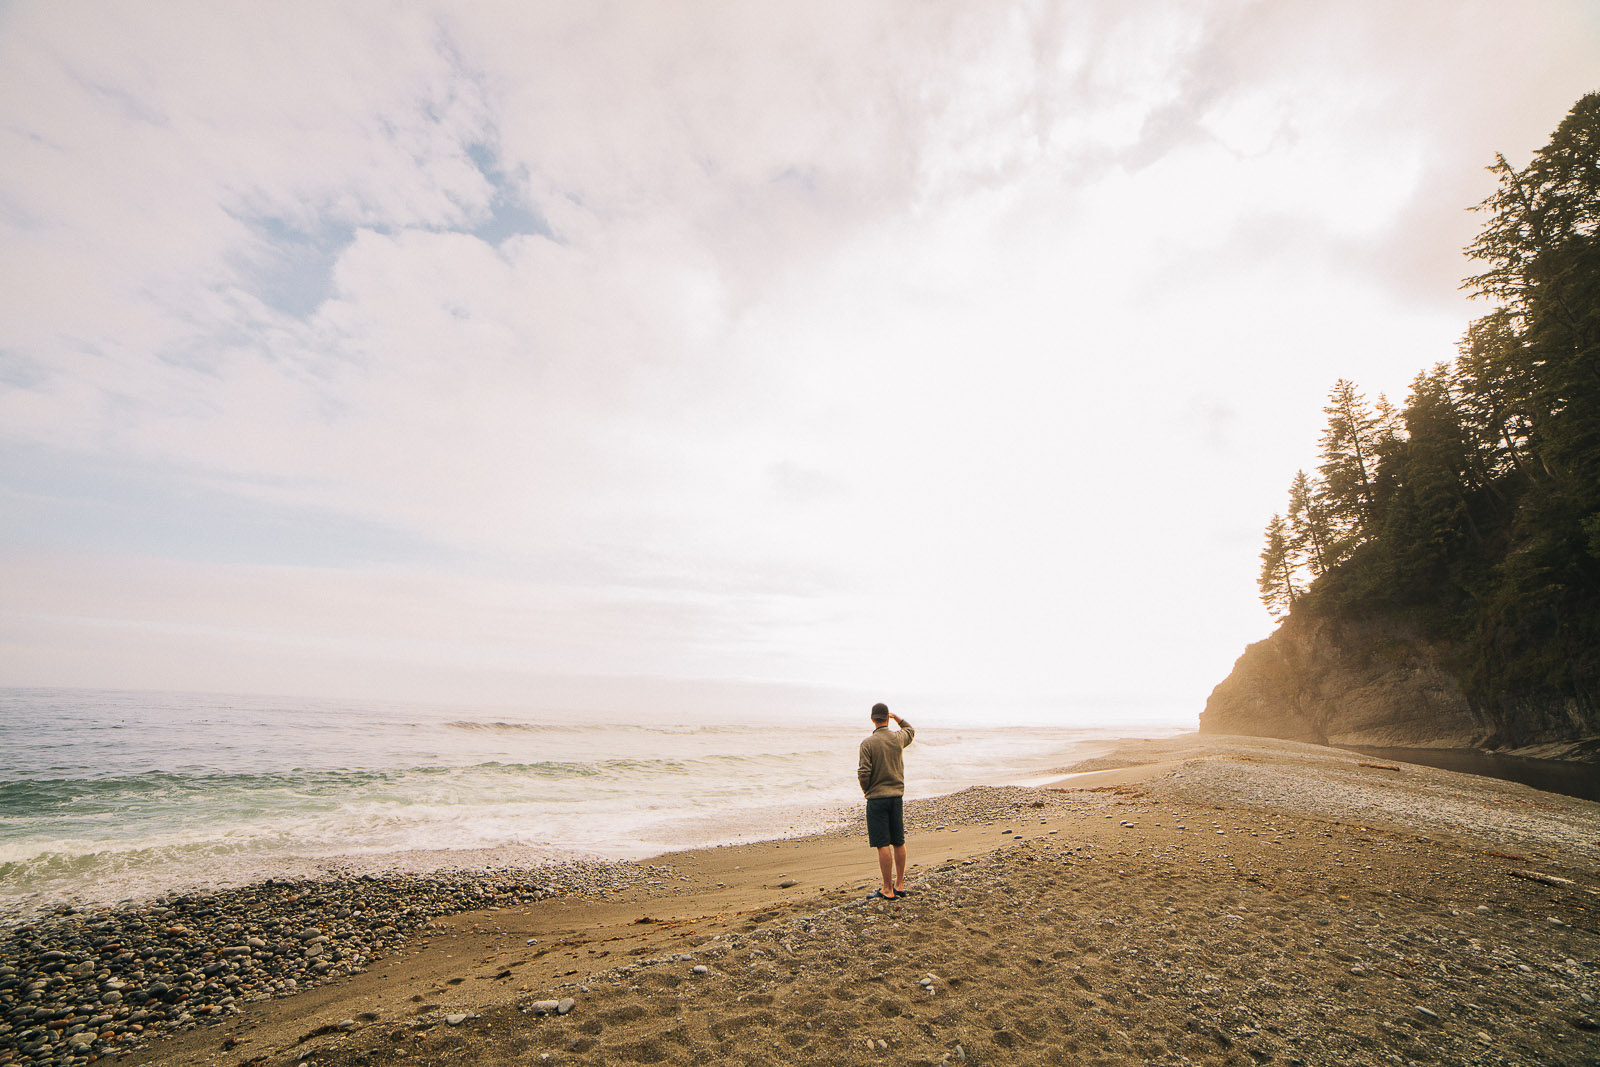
x=882, y=769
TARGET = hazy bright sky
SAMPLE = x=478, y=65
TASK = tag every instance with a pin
x=943, y=353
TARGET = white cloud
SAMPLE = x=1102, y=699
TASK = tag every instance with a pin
x=963, y=349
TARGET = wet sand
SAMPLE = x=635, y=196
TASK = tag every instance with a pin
x=1192, y=900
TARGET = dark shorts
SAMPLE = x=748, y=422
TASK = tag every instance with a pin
x=885, y=823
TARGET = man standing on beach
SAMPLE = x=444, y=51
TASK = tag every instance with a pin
x=882, y=773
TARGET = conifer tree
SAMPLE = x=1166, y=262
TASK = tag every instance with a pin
x=1474, y=512
x=1349, y=460
x=1391, y=425
x=1495, y=384
x=1435, y=475
x=1542, y=250
x=1277, y=581
x=1310, y=531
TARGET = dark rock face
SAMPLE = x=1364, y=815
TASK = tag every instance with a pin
x=1340, y=682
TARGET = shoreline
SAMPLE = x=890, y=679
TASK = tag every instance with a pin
x=1569, y=777
x=307, y=934
x=87, y=840
x=142, y=882
x=1119, y=876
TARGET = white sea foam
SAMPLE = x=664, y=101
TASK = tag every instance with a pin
x=111, y=795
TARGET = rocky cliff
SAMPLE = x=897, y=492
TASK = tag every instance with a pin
x=1340, y=682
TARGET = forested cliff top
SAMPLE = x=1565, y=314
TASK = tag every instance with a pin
x=1468, y=519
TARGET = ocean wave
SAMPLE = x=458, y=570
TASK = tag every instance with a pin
x=114, y=793
x=46, y=793
x=155, y=796
x=113, y=861
x=592, y=729
x=20, y=794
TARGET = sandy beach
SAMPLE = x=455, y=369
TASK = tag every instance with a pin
x=1192, y=900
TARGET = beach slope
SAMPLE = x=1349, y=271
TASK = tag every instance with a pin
x=1193, y=900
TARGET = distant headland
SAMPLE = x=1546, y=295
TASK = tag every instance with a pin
x=1438, y=577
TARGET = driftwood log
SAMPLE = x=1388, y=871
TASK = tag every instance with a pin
x=1552, y=880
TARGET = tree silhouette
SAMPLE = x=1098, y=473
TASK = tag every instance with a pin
x=1474, y=511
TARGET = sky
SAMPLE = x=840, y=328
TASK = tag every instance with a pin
x=640, y=356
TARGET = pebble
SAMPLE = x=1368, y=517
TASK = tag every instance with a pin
x=200, y=931
x=115, y=977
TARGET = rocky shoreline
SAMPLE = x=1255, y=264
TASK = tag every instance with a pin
x=1180, y=901
x=1225, y=901
x=78, y=983
x=1381, y=682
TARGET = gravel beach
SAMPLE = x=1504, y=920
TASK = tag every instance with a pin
x=1191, y=900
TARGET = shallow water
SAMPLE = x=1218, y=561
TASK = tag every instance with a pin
x=1553, y=776
x=107, y=795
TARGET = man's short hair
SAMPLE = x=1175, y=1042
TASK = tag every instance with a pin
x=880, y=713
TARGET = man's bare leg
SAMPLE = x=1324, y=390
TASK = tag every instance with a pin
x=886, y=865
x=899, y=870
